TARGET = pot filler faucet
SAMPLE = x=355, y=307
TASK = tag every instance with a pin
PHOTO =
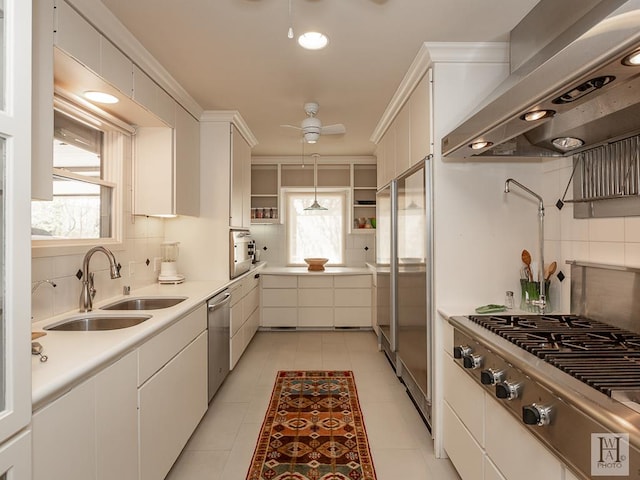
x=541, y=303
x=88, y=290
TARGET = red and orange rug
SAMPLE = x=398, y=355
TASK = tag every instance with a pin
x=313, y=430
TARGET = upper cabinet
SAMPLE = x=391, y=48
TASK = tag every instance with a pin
x=405, y=132
x=167, y=168
x=226, y=153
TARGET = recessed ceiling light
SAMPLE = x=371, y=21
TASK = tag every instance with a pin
x=480, y=145
x=100, y=97
x=633, y=59
x=567, y=143
x=534, y=115
x=313, y=40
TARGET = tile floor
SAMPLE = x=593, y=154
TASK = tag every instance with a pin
x=222, y=446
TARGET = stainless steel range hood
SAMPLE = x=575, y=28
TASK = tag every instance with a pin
x=579, y=74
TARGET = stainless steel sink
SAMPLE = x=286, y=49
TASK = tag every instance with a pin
x=144, y=303
x=98, y=322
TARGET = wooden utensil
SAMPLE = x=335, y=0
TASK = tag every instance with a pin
x=550, y=270
x=526, y=259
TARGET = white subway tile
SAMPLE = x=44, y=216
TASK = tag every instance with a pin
x=606, y=229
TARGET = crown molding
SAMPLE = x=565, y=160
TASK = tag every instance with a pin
x=437, y=52
x=103, y=20
x=230, y=116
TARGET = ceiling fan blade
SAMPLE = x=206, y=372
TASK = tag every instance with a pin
x=335, y=129
x=291, y=126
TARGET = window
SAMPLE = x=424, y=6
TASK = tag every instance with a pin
x=316, y=233
x=87, y=160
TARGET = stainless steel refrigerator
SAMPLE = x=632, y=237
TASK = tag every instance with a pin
x=404, y=293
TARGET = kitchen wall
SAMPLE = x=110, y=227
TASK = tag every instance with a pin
x=614, y=241
x=360, y=248
x=141, y=241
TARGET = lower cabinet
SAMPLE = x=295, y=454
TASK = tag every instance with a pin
x=316, y=300
x=245, y=314
x=131, y=420
x=172, y=402
x=91, y=431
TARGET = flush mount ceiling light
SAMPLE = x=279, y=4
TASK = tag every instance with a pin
x=632, y=60
x=100, y=97
x=534, y=115
x=313, y=40
x=480, y=145
x=567, y=143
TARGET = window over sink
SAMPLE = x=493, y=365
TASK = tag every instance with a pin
x=87, y=176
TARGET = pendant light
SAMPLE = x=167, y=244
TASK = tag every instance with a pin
x=315, y=206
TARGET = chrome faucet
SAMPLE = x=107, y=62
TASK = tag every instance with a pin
x=541, y=303
x=88, y=290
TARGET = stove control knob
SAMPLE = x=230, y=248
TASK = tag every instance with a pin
x=491, y=376
x=536, y=415
x=508, y=390
x=461, y=351
x=472, y=361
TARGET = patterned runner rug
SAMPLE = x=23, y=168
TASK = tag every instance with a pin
x=313, y=430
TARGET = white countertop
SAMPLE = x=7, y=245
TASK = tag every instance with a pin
x=304, y=271
x=76, y=356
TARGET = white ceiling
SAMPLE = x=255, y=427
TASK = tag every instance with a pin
x=235, y=55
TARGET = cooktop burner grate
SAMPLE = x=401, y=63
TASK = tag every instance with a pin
x=602, y=356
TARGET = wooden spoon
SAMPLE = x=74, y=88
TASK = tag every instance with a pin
x=526, y=259
x=550, y=270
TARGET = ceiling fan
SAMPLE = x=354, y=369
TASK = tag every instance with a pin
x=312, y=126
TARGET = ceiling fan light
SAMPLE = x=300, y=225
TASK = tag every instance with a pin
x=311, y=137
x=313, y=40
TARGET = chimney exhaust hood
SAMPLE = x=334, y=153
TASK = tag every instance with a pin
x=579, y=90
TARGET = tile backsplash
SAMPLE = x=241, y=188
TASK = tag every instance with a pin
x=142, y=239
x=360, y=248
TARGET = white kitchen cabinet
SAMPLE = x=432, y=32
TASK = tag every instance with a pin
x=240, y=201
x=421, y=114
x=115, y=67
x=15, y=456
x=167, y=168
x=463, y=450
x=76, y=36
x=91, y=432
x=403, y=155
x=310, y=301
x=245, y=314
x=171, y=404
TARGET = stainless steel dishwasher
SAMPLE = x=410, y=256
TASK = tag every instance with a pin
x=218, y=325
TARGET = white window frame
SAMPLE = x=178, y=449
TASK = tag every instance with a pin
x=287, y=193
x=118, y=143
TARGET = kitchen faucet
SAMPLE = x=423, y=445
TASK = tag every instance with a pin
x=541, y=303
x=88, y=290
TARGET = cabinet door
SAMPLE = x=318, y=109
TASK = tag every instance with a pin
x=403, y=140
x=154, y=175
x=64, y=437
x=187, y=163
x=240, y=198
x=117, y=420
x=171, y=404
x=77, y=37
x=421, y=125
x=115, y=67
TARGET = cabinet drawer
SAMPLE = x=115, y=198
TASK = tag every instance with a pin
x=315, y=317
x=164, y=346
x=279, y=317
x=353, y=297
x=315, y=297
x=280, y=297
x=235, y=318
x=250, y=303
x=279, y=281
x=352, y=281
x=237, y=346
x=353, y=317
x=464, y=452
x=311, y=281
x=465, y=397
x=236, y=292
x=250, y=282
